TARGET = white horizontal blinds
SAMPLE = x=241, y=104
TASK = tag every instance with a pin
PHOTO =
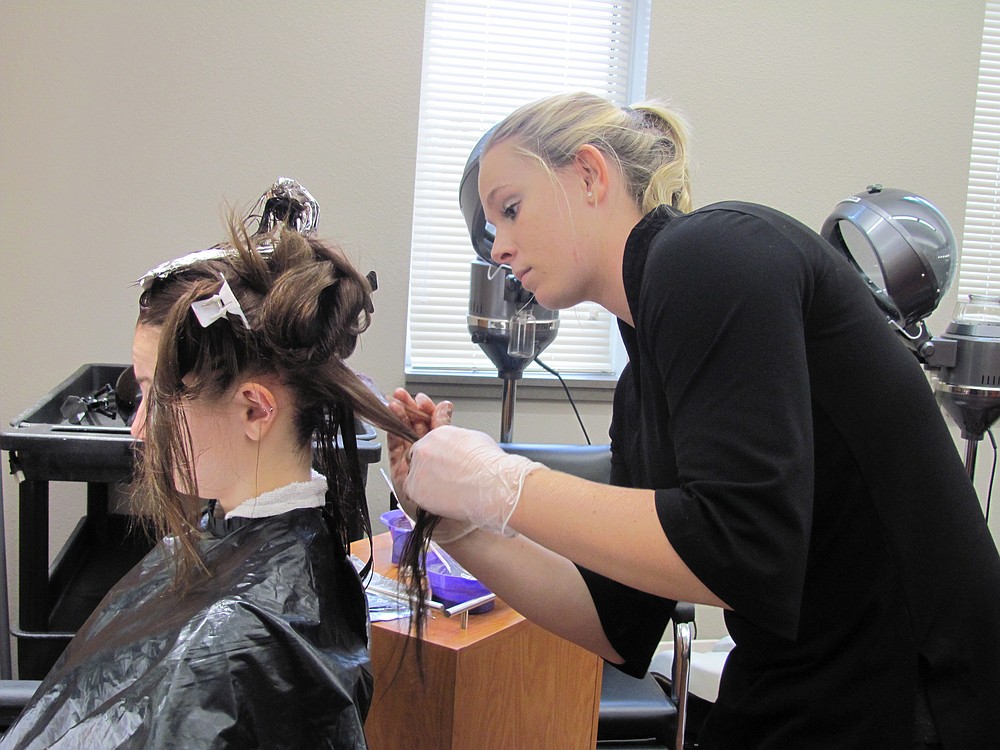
x=980, y=267
x=483, y=59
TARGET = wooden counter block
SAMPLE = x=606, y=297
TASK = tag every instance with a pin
x=503, y=683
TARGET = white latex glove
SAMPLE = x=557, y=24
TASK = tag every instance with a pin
x=465, y=475
x=422, y=415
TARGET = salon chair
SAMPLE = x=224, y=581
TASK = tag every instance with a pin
x=634, y=713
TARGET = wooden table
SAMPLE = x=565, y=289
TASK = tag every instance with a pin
x=503, y=683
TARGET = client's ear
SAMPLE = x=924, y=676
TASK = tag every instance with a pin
x=258, y=405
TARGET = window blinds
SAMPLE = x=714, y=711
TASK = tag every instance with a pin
x=483, y=59
x=979, y=272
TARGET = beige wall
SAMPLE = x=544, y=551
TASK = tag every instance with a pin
x=125, y=127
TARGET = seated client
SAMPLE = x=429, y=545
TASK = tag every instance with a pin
x=246, y=626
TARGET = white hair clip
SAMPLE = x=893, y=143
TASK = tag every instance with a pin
x=218, y=306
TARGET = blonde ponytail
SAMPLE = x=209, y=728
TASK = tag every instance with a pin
x=670, y=182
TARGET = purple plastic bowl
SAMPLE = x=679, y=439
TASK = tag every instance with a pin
x=454, y=589
x=446, y=588
x=399, y=530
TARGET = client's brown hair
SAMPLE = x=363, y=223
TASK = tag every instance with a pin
x=306, y=305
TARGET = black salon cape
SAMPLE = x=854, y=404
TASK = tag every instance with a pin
x=804, y=473
x=261, y=655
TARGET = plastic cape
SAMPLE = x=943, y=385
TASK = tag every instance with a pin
x=270, y=651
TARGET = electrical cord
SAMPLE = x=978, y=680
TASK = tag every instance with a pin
x=568, y=395
x=993, y=473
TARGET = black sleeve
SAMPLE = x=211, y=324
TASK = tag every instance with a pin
x=723, y=309
x=633, y=621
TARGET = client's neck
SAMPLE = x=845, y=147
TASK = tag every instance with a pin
x=268, y=471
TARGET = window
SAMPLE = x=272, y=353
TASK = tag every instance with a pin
x=483, y=59
x=979, y=272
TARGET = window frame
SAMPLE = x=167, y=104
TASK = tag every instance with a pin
x=481, y=380
x=979, y=268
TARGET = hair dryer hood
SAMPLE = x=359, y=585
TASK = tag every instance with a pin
x=902, y=245
x=481, y=232
x=504, y=318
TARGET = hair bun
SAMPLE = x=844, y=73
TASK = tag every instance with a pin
x=316, y=310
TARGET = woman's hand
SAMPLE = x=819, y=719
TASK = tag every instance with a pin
x=465, y=475
x=423, y=415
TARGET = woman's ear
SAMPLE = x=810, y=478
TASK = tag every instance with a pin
x=259, y=408
x=592, y=166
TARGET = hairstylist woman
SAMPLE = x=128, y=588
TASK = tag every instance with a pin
x=777, y=452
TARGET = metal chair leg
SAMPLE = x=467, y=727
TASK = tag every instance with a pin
x=6, y=671
x=684, y=635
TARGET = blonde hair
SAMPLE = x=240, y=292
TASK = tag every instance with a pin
x=647, y=141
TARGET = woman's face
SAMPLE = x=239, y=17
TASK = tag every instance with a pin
x=211, y=424
x=144, y=349
x=541, y=229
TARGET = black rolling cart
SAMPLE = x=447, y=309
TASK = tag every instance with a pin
x=44, y=446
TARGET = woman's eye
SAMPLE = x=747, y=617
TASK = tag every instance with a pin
x=510, y=211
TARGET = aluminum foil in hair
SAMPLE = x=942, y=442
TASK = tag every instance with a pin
x=286, y=202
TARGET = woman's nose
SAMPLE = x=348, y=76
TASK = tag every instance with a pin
x=501, y=252
x=139, y=422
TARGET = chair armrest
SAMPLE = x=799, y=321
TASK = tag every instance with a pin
x=14, y=696
x=591, y=462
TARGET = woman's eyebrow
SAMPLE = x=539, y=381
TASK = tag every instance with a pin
x=491, y=197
